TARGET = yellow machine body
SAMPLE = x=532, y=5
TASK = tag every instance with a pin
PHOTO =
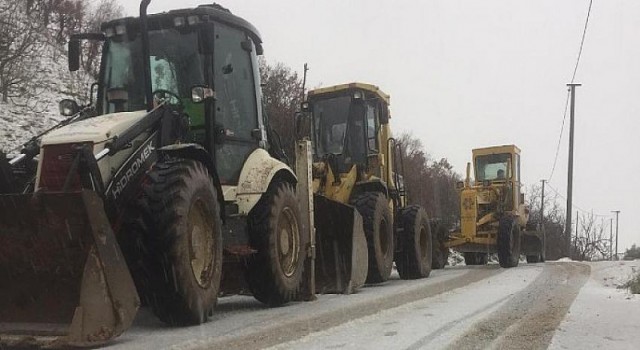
x=488, y=198
x=342, y=257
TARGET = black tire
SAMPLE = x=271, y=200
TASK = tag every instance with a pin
x=275, y=272
x=413, y=261
x=185, y=242
x=532, y=259
x=440, y=255
x=378, y=228
x=133, y=241
x=508, y=242
x=473, y=258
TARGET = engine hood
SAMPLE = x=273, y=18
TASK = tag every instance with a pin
x=97, y=129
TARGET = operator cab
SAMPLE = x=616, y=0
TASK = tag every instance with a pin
x=203, y=65
x=347, y=120
x=499, y=166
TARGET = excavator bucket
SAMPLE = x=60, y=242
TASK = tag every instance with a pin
x=341, y=247
x=63, y=279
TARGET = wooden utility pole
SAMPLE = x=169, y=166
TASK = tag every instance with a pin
x=617, y=213
x=611, y=239
x=542, y=205
x=572, y=89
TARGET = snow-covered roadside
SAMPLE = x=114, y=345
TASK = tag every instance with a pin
x=603, y=316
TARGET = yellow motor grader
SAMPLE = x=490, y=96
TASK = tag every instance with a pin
x=493, y=214
x=356, y=172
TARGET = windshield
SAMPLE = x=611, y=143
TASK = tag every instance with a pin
x=492, y=167
x=330, y=117
x=175, y=64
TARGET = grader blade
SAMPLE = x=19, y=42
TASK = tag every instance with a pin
x=63, y=279
x=532, y=242
x=341, y=247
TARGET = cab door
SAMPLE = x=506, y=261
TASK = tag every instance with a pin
x=236, y=127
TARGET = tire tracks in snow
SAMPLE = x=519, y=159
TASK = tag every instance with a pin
x=293, y=327
x=529, y=319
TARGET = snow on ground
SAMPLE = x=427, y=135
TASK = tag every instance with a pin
x=603, y=316
x=429, y=323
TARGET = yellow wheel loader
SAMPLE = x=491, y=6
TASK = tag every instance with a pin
x=356, y=173
x=493, y=214
x=167, y=183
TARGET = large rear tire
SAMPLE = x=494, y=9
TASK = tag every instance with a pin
x=275, y=272
x=440, y=251
x=185, y=242
x=508, y=242
x=414, y=258
x=473, y=258
x=378, y=228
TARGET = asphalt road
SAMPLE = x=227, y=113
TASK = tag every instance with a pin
x=456, y=308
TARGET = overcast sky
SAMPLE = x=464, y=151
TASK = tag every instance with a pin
x=466, y=74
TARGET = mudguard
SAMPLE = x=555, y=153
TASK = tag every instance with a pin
x=255, y=177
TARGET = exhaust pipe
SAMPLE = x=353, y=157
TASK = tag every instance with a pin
x=146, y=53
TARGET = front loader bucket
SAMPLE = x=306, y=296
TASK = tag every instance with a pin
x=63, y=279
x=341, y=247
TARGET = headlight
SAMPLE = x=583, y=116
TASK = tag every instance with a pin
x=178, y=21
x=121, y=29
x=193, y=20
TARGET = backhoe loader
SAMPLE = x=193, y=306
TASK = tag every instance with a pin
x=493, y=214
x=171, y=183
x=357, y=173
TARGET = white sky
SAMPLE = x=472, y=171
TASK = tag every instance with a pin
x=464, y=74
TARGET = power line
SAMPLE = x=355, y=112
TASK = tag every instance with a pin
x=573, y=77
x=584, y=34
x=564, y=117
x=577, y=207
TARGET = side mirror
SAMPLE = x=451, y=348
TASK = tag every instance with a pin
x=303, y=125
x=384, y=115
x=68, y=107
x=199, y=93
x=74, y=55
x=305, y=107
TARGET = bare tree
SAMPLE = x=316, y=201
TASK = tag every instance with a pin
x=591, y=241
x=430, y=184
x=281, y=96
x=104, y=11
x=20, y=42
x=553, y=222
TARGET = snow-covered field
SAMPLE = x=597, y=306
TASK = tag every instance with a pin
x=603, y=316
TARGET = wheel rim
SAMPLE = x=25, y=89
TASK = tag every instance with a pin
x=200, y=243
x=288, y=242
x=384, y=237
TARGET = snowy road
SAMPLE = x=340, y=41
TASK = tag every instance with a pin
x=518, y=309
x=558, y=305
